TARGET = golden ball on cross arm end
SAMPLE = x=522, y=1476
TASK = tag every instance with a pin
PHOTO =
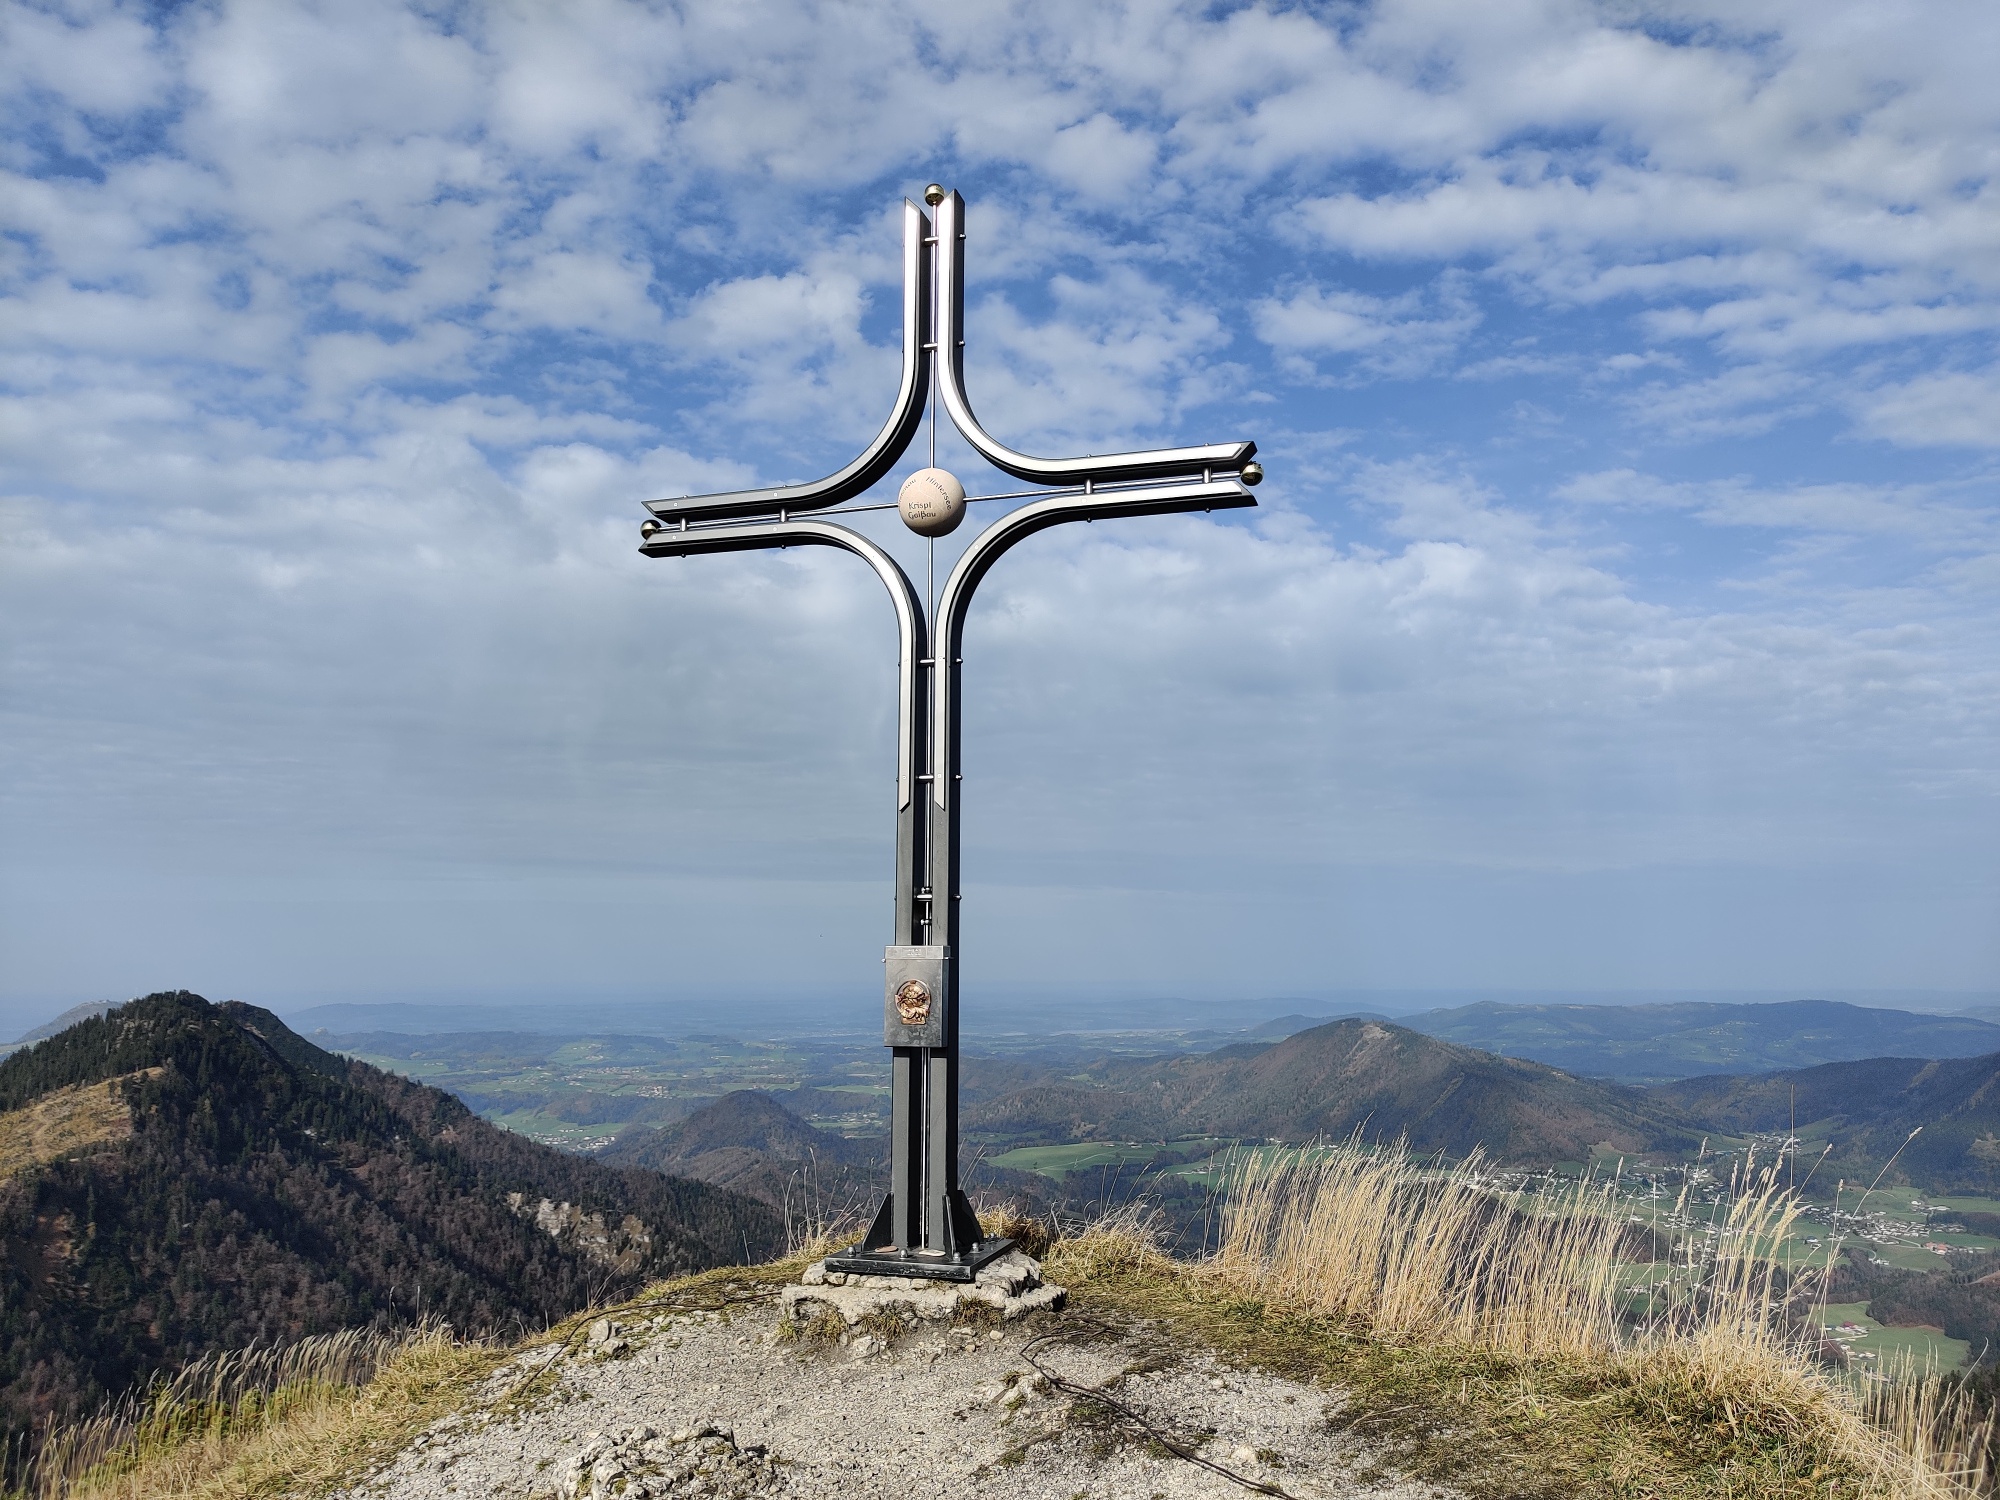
x=649, y=529
x=934, y=194
x=931, y=502
x=1252, y=474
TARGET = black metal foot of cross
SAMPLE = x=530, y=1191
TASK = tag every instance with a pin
x=926, y=1227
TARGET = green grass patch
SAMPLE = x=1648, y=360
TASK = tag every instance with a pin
x=1960, y=1205
x=1059, y=1161
x=1909, y=1257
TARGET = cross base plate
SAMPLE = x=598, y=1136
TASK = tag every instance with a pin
x=933, y=1267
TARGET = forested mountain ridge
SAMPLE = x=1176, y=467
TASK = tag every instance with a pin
x=265, y=1189
x=61, y=1023
x=1941, y=1115
x=743, y=1120
x=749, y=1142
x=1332, y=1080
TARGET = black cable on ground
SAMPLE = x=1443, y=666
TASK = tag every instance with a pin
x=1119, y=1408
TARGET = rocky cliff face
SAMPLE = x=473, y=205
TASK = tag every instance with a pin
x=625, y=1247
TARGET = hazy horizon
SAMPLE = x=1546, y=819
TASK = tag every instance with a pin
x=987, y=1012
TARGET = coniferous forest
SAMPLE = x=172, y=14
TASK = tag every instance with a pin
x=266, y=1189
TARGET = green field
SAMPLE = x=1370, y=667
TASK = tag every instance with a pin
x=1059, y=1162
x=1231, y=1157
x=1962, y=1205
x=551, y=1131
x=1878, y=1346
x=579, y=1092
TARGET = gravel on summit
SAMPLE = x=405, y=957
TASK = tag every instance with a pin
x=717, y=1404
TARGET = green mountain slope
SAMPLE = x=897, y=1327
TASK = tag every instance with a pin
x=254, y=1188
x=1867, y=1111
x=745, y=1120
x=749, y=1142
x=1383, y=1080
x=1659, y=1043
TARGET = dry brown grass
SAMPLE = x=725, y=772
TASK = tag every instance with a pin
x=304, y=1418
x=64, y=1123
x=1373, y=1238
x=1504, y=1339
x=264, y=1422
x=1934, y=1428
x=1030, y=1235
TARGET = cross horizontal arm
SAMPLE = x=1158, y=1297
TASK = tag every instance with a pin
x=910, y=624
x=948, y=631
x=880, y=456
x=1157, y=463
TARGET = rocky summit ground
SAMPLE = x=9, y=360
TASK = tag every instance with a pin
x=719, y=1402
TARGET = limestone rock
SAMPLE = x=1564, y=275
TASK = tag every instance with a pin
x=639, y=1464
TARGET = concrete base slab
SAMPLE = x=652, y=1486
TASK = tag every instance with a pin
x=1010, y=1285
x=886, y=1263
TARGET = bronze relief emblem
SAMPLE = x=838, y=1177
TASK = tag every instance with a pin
x=913, y=1002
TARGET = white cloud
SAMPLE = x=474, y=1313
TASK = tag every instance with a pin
x=339, y=363
x=1100, y=156
x=1119, y=355
x=1956, y=409
x=585, y=481
x=288, y=74
x=586, y=75
x=1389, y=336
x=1928, y=514
x=1775, y=199
x=1744, y=401
x=587, y=293
x=118, y=72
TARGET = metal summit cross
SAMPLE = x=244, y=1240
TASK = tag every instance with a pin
x=925, y=1226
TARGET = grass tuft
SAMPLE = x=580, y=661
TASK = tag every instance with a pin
x=1030, y=1235
x=287, y=1421
x=1512, y=1344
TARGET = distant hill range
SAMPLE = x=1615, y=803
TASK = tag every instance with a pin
x=1327, y=1082
x=749, y=1142
x=752, y=1143
x=1867, y=1111
x=1659, y=1043
x=63, y=1022
x=177, y=1176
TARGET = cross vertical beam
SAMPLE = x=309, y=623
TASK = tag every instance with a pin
x=926, y=1226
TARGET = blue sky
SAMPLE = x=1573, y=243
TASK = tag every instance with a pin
x=1620, y=612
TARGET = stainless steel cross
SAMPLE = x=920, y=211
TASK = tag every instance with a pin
x=925, y=1226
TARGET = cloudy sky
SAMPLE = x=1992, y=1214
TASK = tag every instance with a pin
x=1622, y=611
